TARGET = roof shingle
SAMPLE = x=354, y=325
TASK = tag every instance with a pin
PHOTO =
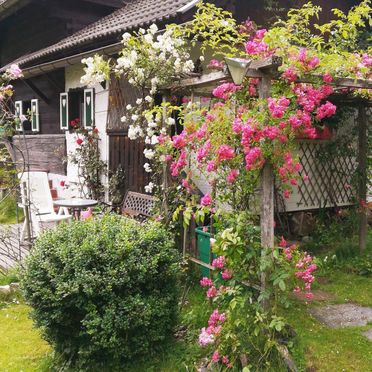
x=135, y=14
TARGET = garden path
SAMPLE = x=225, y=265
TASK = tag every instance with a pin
x=344, y=315
x=12, y=251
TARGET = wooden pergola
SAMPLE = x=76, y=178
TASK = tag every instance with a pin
x=267, y=70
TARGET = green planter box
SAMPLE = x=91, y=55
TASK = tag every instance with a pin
x=204, y=249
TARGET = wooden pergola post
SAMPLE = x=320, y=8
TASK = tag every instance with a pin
x=267, y=198
x=362, y=179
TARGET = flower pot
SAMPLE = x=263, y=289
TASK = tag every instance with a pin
x=204, y=249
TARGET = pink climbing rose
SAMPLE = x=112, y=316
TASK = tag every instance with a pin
x=206, y=200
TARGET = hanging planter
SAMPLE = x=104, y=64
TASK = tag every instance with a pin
x=322, y=133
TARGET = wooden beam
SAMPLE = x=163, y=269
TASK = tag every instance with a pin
x=210, y=79
x=267, y=200
x=257, y=69
x=109, y=3
x=340, y=82
x=266, y=63
x=58, y=87
x=353, y=83
x=362, y=170
x=36, y=90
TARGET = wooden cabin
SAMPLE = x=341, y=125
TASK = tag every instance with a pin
x=48, y=39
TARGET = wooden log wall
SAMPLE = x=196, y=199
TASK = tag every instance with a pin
x=44, y=22
x=51, y=85
x=129, y=155
x=41, y=153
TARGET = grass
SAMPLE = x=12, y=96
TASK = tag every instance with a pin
x=349, y=287
x=181, y=352
x=22, y=347
x=319, y=348
x=25, y=350
x=8, y=211
x=316, y=347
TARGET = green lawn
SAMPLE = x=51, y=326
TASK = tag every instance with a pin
x=319, y=348
x=316, y=347
x=8, y=211
x=22, y=348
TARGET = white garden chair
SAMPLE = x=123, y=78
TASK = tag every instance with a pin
x=39, y=199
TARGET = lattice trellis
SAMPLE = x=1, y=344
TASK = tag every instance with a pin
x=136, y=204
x=330, y=177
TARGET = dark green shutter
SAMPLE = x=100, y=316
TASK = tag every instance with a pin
x=35, y=115
x=88, y=108
x=18, y=112
x=63, y=111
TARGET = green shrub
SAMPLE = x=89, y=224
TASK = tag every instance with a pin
x=103, y=291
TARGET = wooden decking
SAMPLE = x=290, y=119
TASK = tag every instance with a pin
x=12, y=251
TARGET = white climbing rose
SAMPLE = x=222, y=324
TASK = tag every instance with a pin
x=149, y=154
x=147, y=168
x=149, y=187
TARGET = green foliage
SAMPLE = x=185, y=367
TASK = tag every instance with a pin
x=117, y=186
x=331, y=228
x=24, y=350
x=251, y=328
x=9, y=212
x=91, y=168
x=345, y=256
x=103, y=291
x=336, y=43
x=214, y=29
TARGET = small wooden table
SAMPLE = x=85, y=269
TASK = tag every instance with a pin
x=76, y=205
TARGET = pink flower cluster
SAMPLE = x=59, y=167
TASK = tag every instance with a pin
x=206, y=200
x=278, y=107
x=224, y=90
x=232, y=175
x=225, y=152
x=219, y=262
x=207, y=335
x=309, y=97
x=226, y=274
x=14, y=72
x=305, y=268
x=308, y=62
x=179, y=141
x=256, y=45
x=205, y=338
x=287, y=250
x=290, y=74
x=178, y=164
x=206, y=282
x=253, y=158
x=203, y=151
x=215, y=64
x=224, y=360
x=325, y=111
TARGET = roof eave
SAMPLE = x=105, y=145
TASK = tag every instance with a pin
x=8, y=7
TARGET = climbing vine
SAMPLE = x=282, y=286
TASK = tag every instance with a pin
x=225, y=142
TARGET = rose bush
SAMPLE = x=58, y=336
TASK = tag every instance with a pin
x=227, y=140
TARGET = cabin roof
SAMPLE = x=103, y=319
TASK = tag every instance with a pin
x=135, y=14
x=8, y=7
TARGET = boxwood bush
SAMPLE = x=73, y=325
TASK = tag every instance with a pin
x=103, y=291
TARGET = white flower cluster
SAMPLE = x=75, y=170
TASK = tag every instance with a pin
x=96, y=70
x=149, y=187
x=151, y=58
x=134, y=132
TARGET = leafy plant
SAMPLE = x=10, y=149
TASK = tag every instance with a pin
x=103, y=291
x=87, y=157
